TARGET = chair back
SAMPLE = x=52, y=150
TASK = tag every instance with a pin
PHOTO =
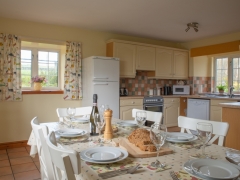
x=220, y=129
x=40, y=133
x=151, y=116
x=80, y=111
x=66, y=162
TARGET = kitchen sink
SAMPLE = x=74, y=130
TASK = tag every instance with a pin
x=221, y=96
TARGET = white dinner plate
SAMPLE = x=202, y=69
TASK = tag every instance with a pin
x=179, y=136
x=182, y=141
x=103, y=153
x=214, y=169
x=71, y=132
x=127, y=123
x=187, y=167
x=124, y=155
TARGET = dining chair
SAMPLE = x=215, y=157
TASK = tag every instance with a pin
x=220, y=129
x=80, y=111
x=66, y=162
x=151, y=115
x=40, y=133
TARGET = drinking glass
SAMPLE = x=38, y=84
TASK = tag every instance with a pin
x=141, y=117
x=99, y=122
x=71, y=113
x=204, y=133
x=158, y=136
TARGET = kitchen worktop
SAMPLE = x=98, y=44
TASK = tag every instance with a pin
x=231, y=105
x=131, y=97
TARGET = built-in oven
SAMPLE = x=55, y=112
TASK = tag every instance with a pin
x=152, y=103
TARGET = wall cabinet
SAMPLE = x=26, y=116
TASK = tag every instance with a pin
x=145, y=58
x=171, y=111
x=216, y=110
x=126, y=106
x=171, y=64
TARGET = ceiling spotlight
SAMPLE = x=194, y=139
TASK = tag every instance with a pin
x=193, y=25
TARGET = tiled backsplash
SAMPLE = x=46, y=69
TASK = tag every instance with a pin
x=140, y=85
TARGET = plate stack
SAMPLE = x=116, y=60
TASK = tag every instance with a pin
x=71, y=133
x=210, y=169
x=103, y=155
x=180, y=137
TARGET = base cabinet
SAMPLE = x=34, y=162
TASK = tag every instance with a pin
x=171, y=111
x=126, y=107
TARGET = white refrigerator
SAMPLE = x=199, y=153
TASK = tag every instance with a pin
x=100, y=75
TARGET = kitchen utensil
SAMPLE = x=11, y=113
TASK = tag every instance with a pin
x=150, y=92
x=108, y=133
x=173, y=175
x=231, y=161
x=119, y=172
x=155, y=91
x=125, y=92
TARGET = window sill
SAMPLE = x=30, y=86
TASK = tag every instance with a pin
x=42, y=92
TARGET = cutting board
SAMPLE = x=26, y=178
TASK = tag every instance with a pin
x=134, y=151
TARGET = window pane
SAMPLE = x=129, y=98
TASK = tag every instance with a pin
x=236, y=78
x=48, y=67
x=26, y=67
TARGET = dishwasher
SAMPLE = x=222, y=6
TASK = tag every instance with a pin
x=198, y=108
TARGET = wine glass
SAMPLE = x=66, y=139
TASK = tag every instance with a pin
x=158, y=136
x=71, y=113
x=204, y=133
x=99, y=122
x=141, y=117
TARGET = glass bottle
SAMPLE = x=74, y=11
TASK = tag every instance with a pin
x=93, y=128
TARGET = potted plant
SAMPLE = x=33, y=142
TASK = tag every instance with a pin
x=37, y=82
x=221, y=88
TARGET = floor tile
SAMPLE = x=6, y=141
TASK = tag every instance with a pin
x=16, y=149
x=20, y=160
x=29, y=175
x=23, y=167
x=37, y=164
x=5, y=171
x=3, y=157
x=18, y=154
x=3, y=151
x=4, y=163
x=7, y=177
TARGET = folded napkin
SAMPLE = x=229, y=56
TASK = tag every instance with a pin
x=186, y=145
x=158, y=169
x=102, y=168
x=209, y=156
x=182, y=175
x=234, y=155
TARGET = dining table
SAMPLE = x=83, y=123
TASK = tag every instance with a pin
x=181, y=153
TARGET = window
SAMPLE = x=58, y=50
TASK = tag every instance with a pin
x=227, y=72
x=41, y=62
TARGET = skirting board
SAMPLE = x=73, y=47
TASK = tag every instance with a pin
x=16, y=144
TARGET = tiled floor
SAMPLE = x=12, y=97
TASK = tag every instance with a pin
x=16, y=164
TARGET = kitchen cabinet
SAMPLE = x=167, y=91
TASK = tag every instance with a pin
x=171, y=64
x=127, y=55
x=216, y=110
x=183, y=106
x=126, y=106
x=171, y=111
x=145, y=58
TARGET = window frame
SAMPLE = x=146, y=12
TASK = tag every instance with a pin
x=34, y=69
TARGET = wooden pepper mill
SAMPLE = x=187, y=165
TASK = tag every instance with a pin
x=108, y=133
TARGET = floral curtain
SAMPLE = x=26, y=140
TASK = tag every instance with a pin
x=10, y=68
x=73, y=71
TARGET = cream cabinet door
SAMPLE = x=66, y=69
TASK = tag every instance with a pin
x=180, y=62
x=164, y=63
x=216, y=113
x=127, y=55
x=145, y=59
x=126, y=112
x=171, y=113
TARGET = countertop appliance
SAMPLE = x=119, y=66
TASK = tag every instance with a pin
x=181, y=89
x=198, y=108
x=152, y=103
x=100, y=75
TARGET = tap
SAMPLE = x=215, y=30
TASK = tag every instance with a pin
x=231, y=91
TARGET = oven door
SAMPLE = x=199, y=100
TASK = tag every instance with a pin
x=153, y=107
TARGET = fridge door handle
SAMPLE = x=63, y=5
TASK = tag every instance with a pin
x=100, y=83
x=100, y=77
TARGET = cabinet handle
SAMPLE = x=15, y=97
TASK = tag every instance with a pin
x=133, y=102
x=184, y=100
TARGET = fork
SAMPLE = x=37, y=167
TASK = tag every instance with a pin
x=173, y=175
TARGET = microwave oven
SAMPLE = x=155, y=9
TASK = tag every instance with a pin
x=181, y=89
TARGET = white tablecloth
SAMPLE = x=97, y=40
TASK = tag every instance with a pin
x=175, y=160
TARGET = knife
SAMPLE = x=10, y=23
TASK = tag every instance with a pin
x=231, y=161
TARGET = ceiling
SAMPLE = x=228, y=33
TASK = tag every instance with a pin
x=156, y=19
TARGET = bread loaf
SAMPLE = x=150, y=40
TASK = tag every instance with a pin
x=141, y=139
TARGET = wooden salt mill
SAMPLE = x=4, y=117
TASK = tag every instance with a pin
x=108, y=133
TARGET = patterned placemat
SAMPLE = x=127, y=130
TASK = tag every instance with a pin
x=182, y=175
x=187, y=145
